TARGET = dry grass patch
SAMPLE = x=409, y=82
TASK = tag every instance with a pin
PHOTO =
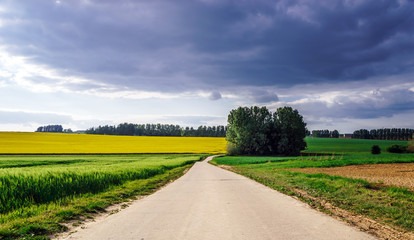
x=396, y=174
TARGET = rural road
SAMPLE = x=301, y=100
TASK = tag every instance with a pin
x=212, y=203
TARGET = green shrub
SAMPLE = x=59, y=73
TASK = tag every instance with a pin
x=397, y=149
x=410, y=147
x=375, y=149
x=232, y=150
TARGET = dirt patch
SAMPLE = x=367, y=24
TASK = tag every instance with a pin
x=230, y=168
x=396, y=174
x=368, y=225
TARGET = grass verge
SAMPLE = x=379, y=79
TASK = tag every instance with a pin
x=331, y=160
x=41, y=221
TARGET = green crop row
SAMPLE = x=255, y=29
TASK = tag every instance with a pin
x=54, y=180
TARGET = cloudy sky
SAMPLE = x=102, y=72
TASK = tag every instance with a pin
x=81, y=63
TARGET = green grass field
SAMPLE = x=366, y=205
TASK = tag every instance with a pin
x=340, y=145
x=386, y=204
x=34, y=189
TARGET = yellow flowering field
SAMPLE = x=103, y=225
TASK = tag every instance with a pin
x=60, y=143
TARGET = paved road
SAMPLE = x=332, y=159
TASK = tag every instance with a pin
x=212, y=203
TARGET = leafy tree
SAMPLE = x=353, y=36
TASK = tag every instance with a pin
x=257, y=131
x=248, y=129
x=291, y=131
x=335, y=134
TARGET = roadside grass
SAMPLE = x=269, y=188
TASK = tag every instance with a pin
x=43, y=220
x=317, y=161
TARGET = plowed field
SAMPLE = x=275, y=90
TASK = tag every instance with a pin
x=397, y=174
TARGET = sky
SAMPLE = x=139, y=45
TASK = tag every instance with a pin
x=343, y=65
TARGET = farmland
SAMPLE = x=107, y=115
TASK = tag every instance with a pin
x=40, y=191
x=401, y=175
x=304, y=178
x=340, y=145
x=49, y=178
x=60, y=143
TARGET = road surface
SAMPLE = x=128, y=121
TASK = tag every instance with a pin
x=212, y=203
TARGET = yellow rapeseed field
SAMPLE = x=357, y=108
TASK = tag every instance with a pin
x=48, y=143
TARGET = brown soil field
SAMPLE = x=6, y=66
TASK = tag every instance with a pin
x=396, y=174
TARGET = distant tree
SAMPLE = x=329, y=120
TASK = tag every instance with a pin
x=158, y=130
x=384, y=134
x=50, y=128
x=325, y=133
x=375, y=149
x=67, y=130
x=335, y=134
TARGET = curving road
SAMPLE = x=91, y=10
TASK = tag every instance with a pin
x=212, y=203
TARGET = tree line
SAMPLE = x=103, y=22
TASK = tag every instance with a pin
x=53, y=128
x=257, y=131
x=384, y=134
x=132, y=129
x=325, y=133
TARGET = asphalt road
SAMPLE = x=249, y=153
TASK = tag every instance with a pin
x=212, y=203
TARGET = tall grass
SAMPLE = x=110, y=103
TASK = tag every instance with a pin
x=25, y=186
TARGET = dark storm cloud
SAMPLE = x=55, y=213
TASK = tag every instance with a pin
x=361, y=106
x=261, y=96
x=192, y=45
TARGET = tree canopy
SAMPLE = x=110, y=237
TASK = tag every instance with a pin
x=257, y=131
x=50, y=128
x=158, y=130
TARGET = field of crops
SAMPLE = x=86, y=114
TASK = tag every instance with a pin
x=60, y=143
x=27, y=180
x=38, y=192
x=340, y=145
